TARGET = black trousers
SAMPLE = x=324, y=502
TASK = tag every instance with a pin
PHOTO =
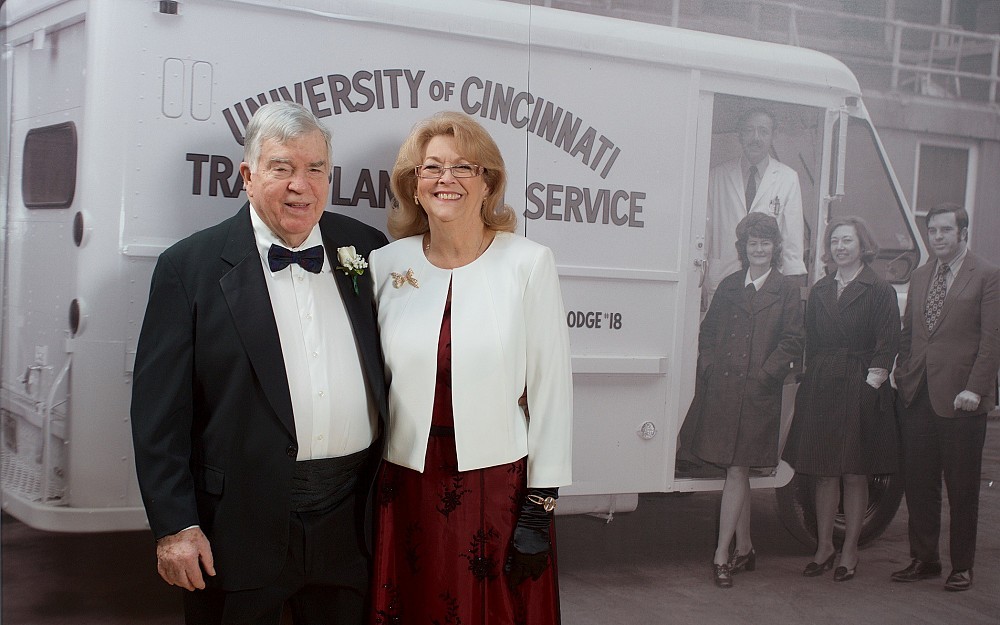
x=934, y=446
x=324, y=579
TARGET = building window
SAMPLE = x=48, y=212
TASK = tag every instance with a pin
x=943, y=175
x=49, y=176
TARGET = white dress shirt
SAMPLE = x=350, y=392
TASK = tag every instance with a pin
x=334, y=409
x=759, y=282
x=953, y=268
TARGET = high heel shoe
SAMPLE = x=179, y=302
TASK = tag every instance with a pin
x=813, y=569
x=743, y=562
x=843, y=574
x=723, y=575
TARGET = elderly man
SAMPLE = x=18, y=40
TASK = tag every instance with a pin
x=258, y=392
x=946, y=374
x=754, y=182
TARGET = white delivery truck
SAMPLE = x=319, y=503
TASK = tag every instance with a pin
x=122, y=132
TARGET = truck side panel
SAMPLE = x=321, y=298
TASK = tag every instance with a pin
x=47, y=88
x=607, y=128
x=622, y=241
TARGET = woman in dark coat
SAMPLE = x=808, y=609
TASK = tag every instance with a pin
x=844, y=426
x=749, y=341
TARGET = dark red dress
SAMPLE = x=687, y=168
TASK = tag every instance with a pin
x=442, y=536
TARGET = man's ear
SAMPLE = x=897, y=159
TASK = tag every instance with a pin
x=246, y=175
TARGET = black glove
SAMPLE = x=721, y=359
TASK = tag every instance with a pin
x=529, y=552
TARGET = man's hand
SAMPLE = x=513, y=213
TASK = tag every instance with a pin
x=877, y=377
x=967, y=400
x=180, y=558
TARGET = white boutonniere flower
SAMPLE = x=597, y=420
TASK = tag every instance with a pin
x=351, y=263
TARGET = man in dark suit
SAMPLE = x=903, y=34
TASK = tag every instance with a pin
x=259, y=395
x=946, y=375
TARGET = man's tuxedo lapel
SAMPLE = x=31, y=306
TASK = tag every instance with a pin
x=250, y=306
x=962, y=280
x=358, y=305
x=334, y=238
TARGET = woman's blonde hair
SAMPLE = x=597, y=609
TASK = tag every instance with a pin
x=408, y=218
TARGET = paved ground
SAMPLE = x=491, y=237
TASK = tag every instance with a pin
x=653, y=566
x=648, y=566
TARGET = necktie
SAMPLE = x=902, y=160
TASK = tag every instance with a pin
x=750, y=291
x=751, y=192
x=310, y=259
x=935, y=297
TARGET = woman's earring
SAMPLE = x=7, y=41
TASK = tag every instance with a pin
x=417, y=200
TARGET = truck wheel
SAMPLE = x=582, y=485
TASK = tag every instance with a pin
x=797, y=509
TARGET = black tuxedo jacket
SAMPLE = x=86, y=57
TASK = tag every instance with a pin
x=212, y=416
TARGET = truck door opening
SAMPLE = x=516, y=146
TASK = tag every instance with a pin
x=796, y=147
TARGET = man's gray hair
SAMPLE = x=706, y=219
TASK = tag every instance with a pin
x=281, y=121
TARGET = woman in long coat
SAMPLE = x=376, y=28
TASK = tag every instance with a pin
x=749, y=341
x=844, y=426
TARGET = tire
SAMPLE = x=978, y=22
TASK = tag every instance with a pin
x=797, y=511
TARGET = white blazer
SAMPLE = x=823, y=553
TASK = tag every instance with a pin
x=508, y=333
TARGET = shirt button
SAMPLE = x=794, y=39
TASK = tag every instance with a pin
x=315, y=354
x=320, y=437
x=292, y=451
x=309, y=316
x=322, y=393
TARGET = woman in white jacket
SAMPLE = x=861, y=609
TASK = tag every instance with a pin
x=471, y=320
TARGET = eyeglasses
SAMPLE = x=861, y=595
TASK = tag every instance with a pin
x=459, y=171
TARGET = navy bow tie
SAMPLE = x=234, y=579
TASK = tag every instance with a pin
x=311, y=259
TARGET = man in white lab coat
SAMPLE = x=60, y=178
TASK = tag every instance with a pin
x=753, y=182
